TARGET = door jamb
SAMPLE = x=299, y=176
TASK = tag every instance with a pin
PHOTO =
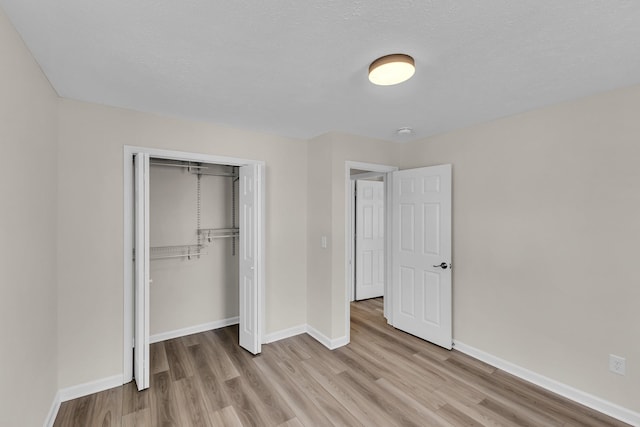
x=385, y=170
x=128, y=152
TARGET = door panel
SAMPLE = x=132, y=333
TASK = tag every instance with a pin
x=249, y=308
x=141, y=271
x=421, y=243
x=369, y=239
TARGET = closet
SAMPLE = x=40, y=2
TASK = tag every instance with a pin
x=193, y=247
x=193, y=250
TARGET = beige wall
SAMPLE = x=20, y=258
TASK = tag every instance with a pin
x=360, y=149
x=546, y=228
x=328, y=155
x=28, y=357
x=90, y=187
x=319, y=262
x=190, y=292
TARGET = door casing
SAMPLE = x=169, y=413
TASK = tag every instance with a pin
x=348, y=235
x=128, y=214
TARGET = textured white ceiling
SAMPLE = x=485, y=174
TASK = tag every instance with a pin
x=299, y=68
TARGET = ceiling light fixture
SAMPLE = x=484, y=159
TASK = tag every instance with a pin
x=391, y=69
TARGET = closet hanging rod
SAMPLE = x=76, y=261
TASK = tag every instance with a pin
x=175, y=248
x=224, y=174
x=175, y=165
x=179, y=256
x=220, y=230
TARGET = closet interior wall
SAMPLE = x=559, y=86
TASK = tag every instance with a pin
x=190, y=291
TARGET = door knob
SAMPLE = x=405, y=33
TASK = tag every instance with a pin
x=442, y=265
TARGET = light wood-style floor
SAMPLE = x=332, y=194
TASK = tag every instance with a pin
x=383, y=378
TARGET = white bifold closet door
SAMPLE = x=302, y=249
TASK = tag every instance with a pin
x=249, y=265
x=249, y=225
x=141, y=271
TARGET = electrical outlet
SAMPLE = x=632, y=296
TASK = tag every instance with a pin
x=617, y=364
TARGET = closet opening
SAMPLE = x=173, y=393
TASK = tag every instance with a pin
x=193, y=247
x=194, y=227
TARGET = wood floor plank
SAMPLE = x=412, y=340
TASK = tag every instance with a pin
x=158, y=358
x=137, y=419
x=63, y=418
x=394, y=409
x=426, y=410
x=214, y=395
x=312, y=390
x=76, y=412
x=179, y=365
x=384, y=377
x=163, y=401
x=244, y=403
x=133, y=400
x=219, y=360
x=456, y=417
x=304, y=408
x=191, y=407
x=107, y=409
x=320, y=352
x=292, y=423
x=344, y=393
x=226, y=417
x=275, y=407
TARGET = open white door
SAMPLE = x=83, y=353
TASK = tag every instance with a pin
x=141, y=269
x=422, y=303
x=249, y=267
x=369, y=239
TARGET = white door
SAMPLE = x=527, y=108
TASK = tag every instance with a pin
x=369, y=239
x=249, y=235
x=422, y=253
x=141, y=269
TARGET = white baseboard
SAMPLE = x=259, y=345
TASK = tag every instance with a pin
x=80, y=390
x=285, y=333
x=85, y=389
x=586, y=399
x=193, y=329
x=53, y=411
x=331, y=344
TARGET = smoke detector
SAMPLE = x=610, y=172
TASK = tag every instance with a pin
x=405, y=131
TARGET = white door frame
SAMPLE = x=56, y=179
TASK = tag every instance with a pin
x=348, y=234
x=128, y=204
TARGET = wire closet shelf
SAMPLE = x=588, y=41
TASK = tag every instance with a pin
x=205, y=236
